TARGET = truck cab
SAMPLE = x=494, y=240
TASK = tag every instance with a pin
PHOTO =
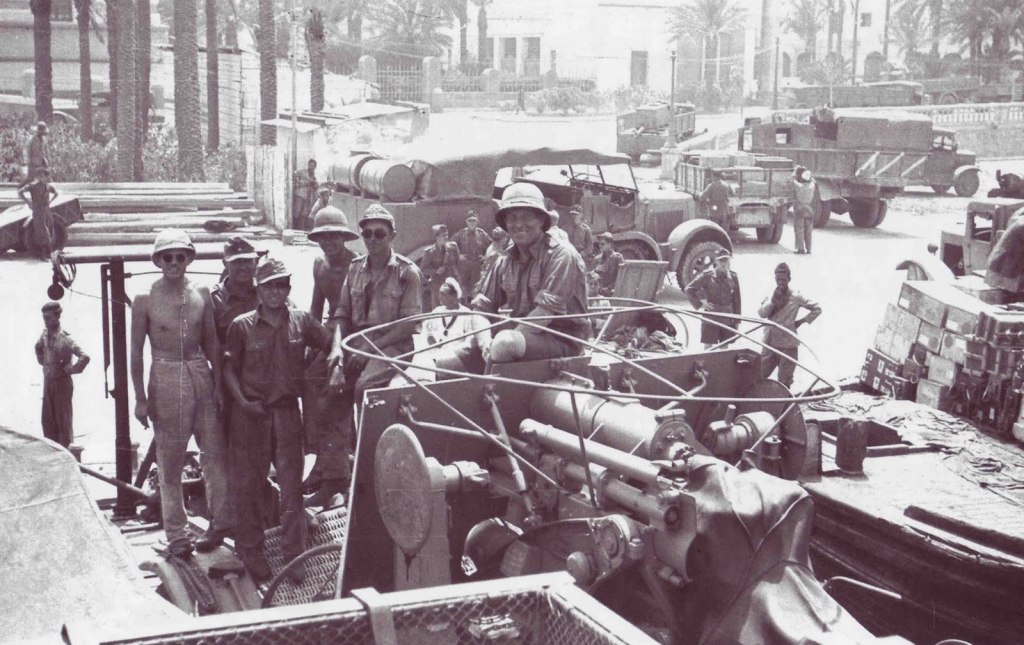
x=949, y=167
x=967, y=251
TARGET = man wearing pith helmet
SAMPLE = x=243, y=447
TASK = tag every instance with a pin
x=382, y=287
x=539, y=277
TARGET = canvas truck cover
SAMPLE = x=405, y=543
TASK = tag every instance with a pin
x=63, y=562
x=875, y=130
x=471, y=170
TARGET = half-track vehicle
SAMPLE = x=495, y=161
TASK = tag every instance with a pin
x=647, y=224
x=762, y=188
x=648, y=128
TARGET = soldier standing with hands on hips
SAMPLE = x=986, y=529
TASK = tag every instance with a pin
x=782, y=308
x=56, y=351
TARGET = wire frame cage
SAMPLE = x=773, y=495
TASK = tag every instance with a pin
x=540, y=609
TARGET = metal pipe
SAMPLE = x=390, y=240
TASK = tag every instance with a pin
x=461, y=432
x=624, y=424
x=566, y=445
x=123, y=489
x=123, y=453
x=128, y=253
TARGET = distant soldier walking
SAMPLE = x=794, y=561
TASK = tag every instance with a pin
x=304, y=189
x=39, y=194
x=716, y=290
x=472, y=243
x=806, y=203
x=56, y=351
x=439, y=262
x=782, y=308
x=36, y=152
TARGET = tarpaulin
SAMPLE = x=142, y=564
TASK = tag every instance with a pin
x=62, y=562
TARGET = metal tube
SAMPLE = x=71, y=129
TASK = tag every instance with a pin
x=624, y=424
x=125, y=506
x=123, y=489
x=566, y=445
x=128, y=253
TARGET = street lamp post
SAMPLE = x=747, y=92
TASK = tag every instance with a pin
x=672, y=102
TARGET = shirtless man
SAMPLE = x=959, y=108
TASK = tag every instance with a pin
x=184, y=395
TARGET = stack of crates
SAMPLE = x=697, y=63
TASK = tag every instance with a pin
x=946, y=348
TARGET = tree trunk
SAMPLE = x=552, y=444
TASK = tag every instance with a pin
x=718, y=60
x=355, y=34
x=212, y=79
x=126, y=109
x=316, y=74
x=112, y=41
x=43, y=61
x=84, y=70
x=481, y=29
x=765, y=59
x=143, y=64
x=935, y=9
x=187, y=122
x=885, y=31
x=266, y=42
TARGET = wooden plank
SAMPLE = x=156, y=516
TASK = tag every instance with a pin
x=222, y=213
x=149, y=225
x=197, y=237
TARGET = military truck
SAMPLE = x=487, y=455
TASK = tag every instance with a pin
x=432, y=188
x=762, y=188
x=885, y=93
x=647, y=128
x=948, y=166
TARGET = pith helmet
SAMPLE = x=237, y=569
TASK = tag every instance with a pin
x=172, y=238
x=332, y=220
x=376, y=212
x=522, y=195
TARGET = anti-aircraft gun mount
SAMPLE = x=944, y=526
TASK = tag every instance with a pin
x=616, y=470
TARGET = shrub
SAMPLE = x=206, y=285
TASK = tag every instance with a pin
x=459, y=82
x=627, y=98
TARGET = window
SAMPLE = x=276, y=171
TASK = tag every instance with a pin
x=865, y=20
x=638, y=68
x=488, y=51
x=531, y=57
x=508, y=55
x=782, y=136
x=61, y=11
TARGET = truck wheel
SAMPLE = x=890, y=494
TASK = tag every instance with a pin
x=698, y=257
x=770, y=234
x=634, y=250
x=948, y=99
x=883, y=209
x=867, y=213
x=966, y=184
x=824, y=213
x=941, y=189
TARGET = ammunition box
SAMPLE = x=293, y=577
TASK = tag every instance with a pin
x=892, y=315
x=878, y=368
x=942, y=370
x=900, y=347
x=914, y=371
x=907, y=325
x=883, y=339
x=934, y=395
x=1005, y=361
x=962, y=314
x=1018, y=431
x=930, y=337
x=919, y=353
x=954, y=347
x=975, y=286
x=1001, y=328
x=926, y=300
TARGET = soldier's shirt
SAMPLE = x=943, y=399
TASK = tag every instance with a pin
x=305, y=185
x=271, y=358
x=368, y=300
x=607, y=268
x=434, y=258
x=722, y=292
x=472, y=247
x=230, y=303
x=581, y=238
x=716, y=194
x=786, y=317
x=548, y=278
x=55, y=352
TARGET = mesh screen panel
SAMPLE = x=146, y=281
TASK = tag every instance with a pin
x=321, y=571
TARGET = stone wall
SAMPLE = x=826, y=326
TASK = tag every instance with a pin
x=992, y=140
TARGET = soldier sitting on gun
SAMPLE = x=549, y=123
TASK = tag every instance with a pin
x=606, y=267
x=540, y=277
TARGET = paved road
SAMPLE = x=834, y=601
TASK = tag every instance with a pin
x=850, y=273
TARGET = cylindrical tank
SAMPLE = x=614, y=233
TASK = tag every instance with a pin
x=346, y=171
x=390, y=180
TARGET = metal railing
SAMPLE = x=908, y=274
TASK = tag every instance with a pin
x=953, y=114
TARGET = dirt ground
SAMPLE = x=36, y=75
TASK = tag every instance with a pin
x=850, y=273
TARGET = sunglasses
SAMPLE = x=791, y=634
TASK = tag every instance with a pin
x=370, y=233
x=174, y=257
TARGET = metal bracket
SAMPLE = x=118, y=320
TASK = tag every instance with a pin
x=381, y=620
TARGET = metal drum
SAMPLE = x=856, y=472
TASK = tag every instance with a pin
x=387, y=179
x=346, y=171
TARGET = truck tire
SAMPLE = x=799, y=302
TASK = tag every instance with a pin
x=634, y=250
x=824, y=213
x=867, y=213
x=941, y=189
x=948, y=98
x=966, y=184
x=698, y=257
x=883, y=209
x=770, y=234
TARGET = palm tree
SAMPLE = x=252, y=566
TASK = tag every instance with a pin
x=212, y=79
x=143, y=43
x=909, y=26
x=315, y=41
x=187, y=122
x=1006, y=20
x=126, y=108
x=804, y=19
x=935, y=14
x=412, y=28
x=705, y=21
x=460, y=8
x=483, y=54
x=82, y=7
x=112, y=42
x=266, y=42
x=43, y=61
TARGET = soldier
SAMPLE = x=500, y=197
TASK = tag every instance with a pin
x=36, y=152
x=327, y=435
x=580, y=235
x=472, y=243
x=715, y=200
x=606, y=265
x=382, y=287
x=184, y=395
x=264, y=372
x=555, y=231
x=323, y=198
x=805, y=205
x=56, y=351
x=782, y=307
x=716, y=290
x=439, y=262
x=39, y=194
x=303, y=190
x=539, y=277
x=236, y=293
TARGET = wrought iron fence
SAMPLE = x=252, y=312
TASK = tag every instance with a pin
x=404, y=83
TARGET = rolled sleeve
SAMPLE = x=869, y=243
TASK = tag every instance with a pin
x=234, y=342
x=488, y=298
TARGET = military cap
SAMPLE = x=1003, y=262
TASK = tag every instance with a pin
x=331, y=220
x=522, y=195
x=605, y=237
x=271, y=269
x=378, y=213
x=783, y=268
x=53, y=307
x=42, y=127
x=239, y=248
x=172, y=238
x=438, y=229
x=472, y=215
x=576, y=210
